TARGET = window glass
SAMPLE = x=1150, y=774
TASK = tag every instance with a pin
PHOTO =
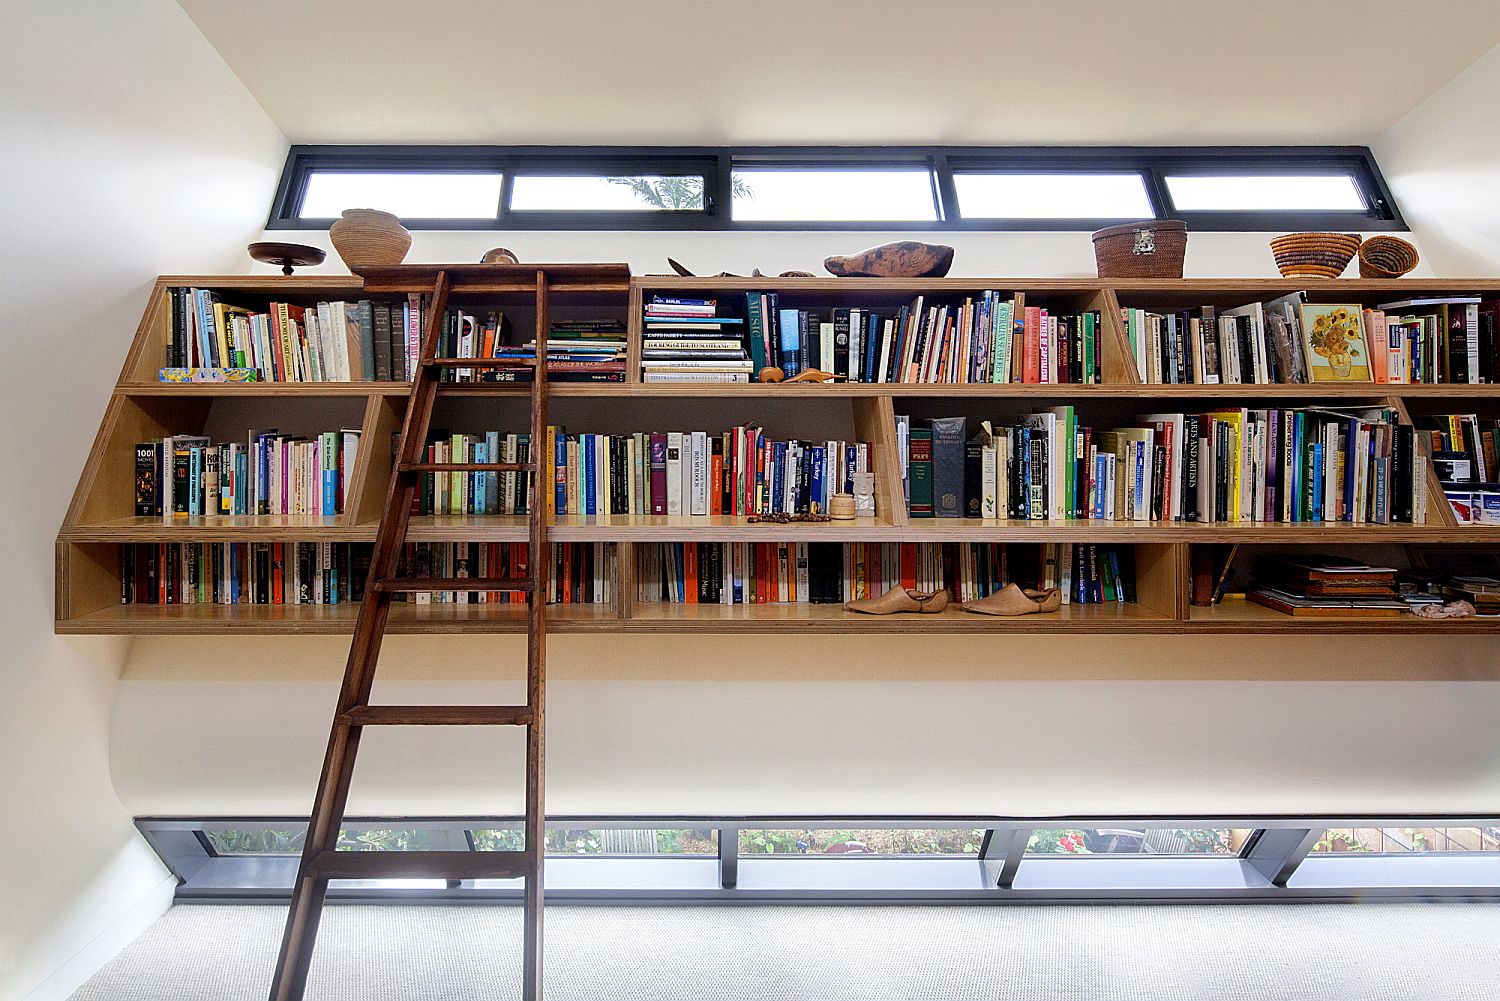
x=1052, y=196
x=1137, y=841
x=234, y=841
x=835, y=195
x=629, y=193
x=604, y=841
x=419, y=195
x=1265, y=193
x=881, y=841
x=1405, y=840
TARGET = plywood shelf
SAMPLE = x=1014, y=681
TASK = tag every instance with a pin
x=1239, y=615
x=405, y=617
x=98, y=520
x=778, y=618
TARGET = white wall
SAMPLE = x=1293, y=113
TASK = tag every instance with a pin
x=1443, y=164
x=837, y=724
x=129, y=150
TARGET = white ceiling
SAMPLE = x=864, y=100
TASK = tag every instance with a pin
x=877, y=71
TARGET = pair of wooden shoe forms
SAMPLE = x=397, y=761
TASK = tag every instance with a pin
x=1009, y=600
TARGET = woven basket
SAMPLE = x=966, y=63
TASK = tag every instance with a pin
x=369, y=236
x=1314, y=255
x=1141, y=249
x=1386, y=257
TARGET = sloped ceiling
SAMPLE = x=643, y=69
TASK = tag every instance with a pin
x=880, y=71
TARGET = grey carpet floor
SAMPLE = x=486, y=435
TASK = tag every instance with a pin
x=1297, y=952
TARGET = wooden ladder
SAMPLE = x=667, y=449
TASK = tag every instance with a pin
x=321, y=861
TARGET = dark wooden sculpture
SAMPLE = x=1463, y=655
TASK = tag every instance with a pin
x=903, y=259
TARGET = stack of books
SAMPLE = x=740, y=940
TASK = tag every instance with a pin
x=687, y=341
x=1289, y=465
x=210, y=340
x=243, y=573
x=1318, y=584
x=752, y=573
x=584, y=351
x=269, y=473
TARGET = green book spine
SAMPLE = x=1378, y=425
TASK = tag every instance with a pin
x=919, y=470
x=754, y=322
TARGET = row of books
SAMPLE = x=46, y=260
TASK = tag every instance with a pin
x=739, y=472
x=686, y=341
x=581, y=573
x=992, y=338
x=337, y=341
x=268, y=473
x=243, y=573
x=1289, y=340
x=1287, y=465
x=752, y=573
x=582, y=350
x=333, y=573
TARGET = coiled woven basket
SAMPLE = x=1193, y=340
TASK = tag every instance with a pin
x=1314, y=255
x=1387, y=257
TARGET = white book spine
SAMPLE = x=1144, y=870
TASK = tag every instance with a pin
x=700, y=473
x=989, y=496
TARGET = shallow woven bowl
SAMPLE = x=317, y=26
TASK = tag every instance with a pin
x=1314, y=255
x=1387, y=257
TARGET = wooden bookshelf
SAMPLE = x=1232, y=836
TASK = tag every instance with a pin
x=101, y=515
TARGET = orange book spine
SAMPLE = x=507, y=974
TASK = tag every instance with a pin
x=690, y=573
x=909, y=565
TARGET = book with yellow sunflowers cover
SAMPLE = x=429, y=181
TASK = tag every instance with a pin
x=1333, y=343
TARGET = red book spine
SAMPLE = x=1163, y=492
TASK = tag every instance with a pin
x=690, y=573
x=909, y=564
x=1032, y=346
x=716, y=484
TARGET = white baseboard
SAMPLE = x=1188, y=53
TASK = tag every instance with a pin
x=107, y=944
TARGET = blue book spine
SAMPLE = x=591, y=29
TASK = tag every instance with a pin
x=778, y=476
x=1317, y=482
x=791, y=342
x=815, y=492
x=1142, y=477
x=590, y=502
x=1101, y=470
x=477, y=480
x=560, y=484
x=1024, y=434
x=872, y=346
x=330, y=492
x=851, y=453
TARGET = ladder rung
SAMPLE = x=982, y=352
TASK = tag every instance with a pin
x=481, y=362
x=414, y=585
x=421, y=865
x=438, y=716
x=465, y=467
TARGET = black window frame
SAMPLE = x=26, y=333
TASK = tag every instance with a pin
x=716, y=165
